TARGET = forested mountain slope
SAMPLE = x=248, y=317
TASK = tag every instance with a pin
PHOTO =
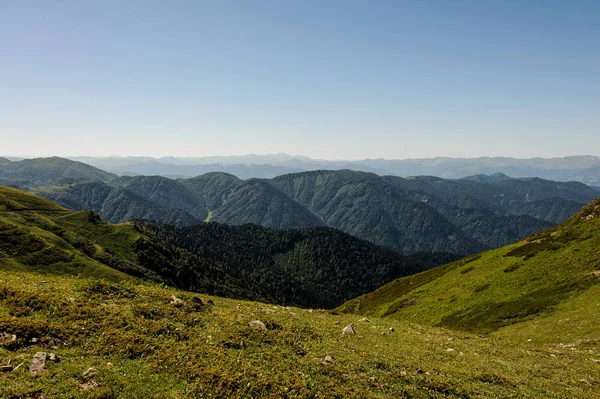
x=49, y=172
x=410, y=215
x=319, y=267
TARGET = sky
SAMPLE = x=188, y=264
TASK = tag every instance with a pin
x=331, y=79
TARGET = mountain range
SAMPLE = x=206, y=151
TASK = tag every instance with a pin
x=317, y=266
x=583, y=168
x=410, y=215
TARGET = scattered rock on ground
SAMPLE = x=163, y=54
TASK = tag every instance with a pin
x=175, y=301
x=349, y=329
x=365, y=320
x=258, y=324
x=392, y=329
x=38, y=363
x=53, y=358
x=328, y=359
x=89, y=385
x=197, y=300
x=89, y=373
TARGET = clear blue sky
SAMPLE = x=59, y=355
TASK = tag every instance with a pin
x=328, y=79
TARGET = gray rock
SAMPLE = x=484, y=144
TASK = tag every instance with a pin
x=349, y=329
x=53, y=358
x=175, y=301
x=89, y=385
x=258, y=324
x=89, y=373
x=365, y=320
x=328, y=359
x=38, y=363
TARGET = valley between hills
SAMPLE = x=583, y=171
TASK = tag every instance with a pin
x=165, y=305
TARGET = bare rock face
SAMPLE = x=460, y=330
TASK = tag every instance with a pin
x=38, y=363
x=258, y=324
x=349, y=329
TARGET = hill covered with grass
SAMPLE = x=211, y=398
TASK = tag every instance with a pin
x=540, y=278
x=126, y=339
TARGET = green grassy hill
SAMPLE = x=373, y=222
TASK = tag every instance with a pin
x=540, y=278
x=142, y=346
x=38, y=235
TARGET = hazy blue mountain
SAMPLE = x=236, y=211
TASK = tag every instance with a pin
x=585, y=169
x=169, y=170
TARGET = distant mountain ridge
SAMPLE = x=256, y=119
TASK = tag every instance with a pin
x=410, y=215
x=50, y=171
x=583, y=168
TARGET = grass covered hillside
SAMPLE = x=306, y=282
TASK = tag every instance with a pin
x=320, y=267
x=38, y=235
x=552, y=278
x=124, y=340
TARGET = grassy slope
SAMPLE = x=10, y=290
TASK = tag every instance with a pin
x=539, y=276
x=36, y=234
x=144, y=347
